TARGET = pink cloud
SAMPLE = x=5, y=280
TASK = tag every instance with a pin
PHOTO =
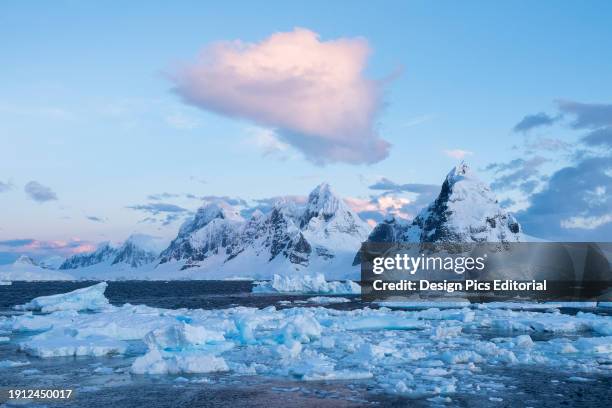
x=458, y=154
x=51, y=247
x=312, y=93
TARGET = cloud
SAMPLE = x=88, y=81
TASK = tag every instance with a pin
x=164, y=213
x=587, y=115
x=312, y=93
x=40, y=248
x=519, y=173
x=388, y=185
x=532, y=121
x=162, y=196
x=16, y=242
x=599, y=138
x=401, y=200
x=268, y=142
x=457, y=153
x=575, y=204
x=157, y=208
x=94, y=218
x=39, y=193
x=197, y=179
x=5, y=186
x=588, y=223
x=547, y=144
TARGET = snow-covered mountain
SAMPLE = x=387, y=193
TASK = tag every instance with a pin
x=319, y=236
x=25, y=268
x=102, y=254
x=466, y=210
x=51, y=262
x=136, y=251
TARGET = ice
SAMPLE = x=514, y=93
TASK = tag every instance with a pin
x=181, y=336
x=156, y=362
x=412, y=352
x=424, y=304
x=306, y=284
x=5, y=283
x=90, y=298
x=11, y=363
x=4, y=339
x=322, y=300
x=65, y=342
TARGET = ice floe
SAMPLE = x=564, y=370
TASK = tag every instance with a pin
x=414, y=353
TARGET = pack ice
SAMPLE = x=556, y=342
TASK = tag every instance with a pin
x=416, y=353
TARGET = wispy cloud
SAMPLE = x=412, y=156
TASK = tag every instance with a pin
x=313, y=93
x=41, y=248
x=536, y=120
x=458, y=154
x=5, y=186
x=157, y=208
x=164, y=213
x=95, y=219
x=162, y=196
x=39, y=193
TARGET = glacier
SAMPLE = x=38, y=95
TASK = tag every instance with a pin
x=413, y=353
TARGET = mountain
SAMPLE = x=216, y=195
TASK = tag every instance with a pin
x=103, y=254
x=317, y=236
x=51, y=262
x=26, y=269
x=466, y=210
x=136, y=251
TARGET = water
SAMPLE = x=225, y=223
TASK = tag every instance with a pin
x=106, y=381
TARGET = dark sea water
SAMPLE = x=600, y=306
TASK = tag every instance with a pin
x=523, y=387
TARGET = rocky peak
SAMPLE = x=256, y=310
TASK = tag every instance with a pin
x=322, y=203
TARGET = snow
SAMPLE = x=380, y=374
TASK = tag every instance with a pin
x=26, y=269
x=90, y=298
x=156, y=362
x=414, y=353
x=300, y=284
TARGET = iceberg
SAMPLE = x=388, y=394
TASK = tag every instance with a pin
x=156, y=362
x=306, y=284
x=90, y=298
x=411, y=352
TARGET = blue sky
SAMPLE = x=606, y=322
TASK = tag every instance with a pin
x=89, y=115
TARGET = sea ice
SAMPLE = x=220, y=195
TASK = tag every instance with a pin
x=415, y=353
x=90, y=298
x=306, y=284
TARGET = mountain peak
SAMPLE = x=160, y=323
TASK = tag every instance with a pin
x=460, y=172
x=466, y=210
x=25, y=260
x=322, y=201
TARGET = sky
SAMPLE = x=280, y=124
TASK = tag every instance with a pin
x=121, y=118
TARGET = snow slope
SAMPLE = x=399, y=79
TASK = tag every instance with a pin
x=26, y=269
x=320, y=236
